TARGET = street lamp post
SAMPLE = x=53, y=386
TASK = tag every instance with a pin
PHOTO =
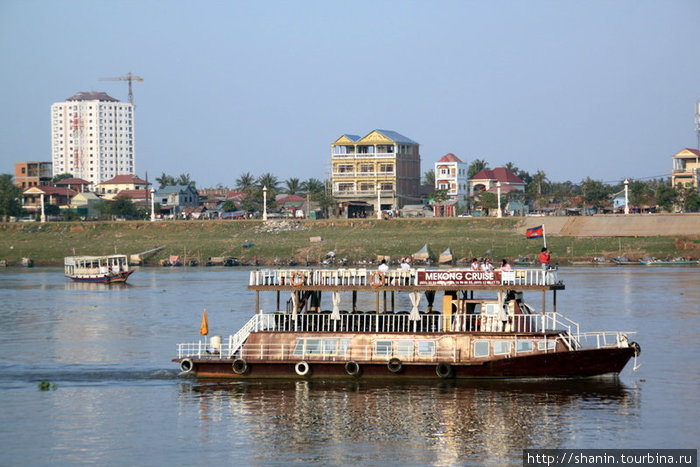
x=379, y=201
x=43, y=215
x=264, y=203
x=498, y=190
x=153, y=204
x=627, y=207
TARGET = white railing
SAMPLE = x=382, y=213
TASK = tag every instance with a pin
x=395, y=277
x=601, y=339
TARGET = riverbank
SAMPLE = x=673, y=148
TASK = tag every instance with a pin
x=571, y=240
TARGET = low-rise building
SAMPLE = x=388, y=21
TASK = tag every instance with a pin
x=33, y=197
x=84, y=204
x=110, y=188
x=382, y=167
x=686, y=168
x=29, y=174
x=488, y=179
x=174, y=198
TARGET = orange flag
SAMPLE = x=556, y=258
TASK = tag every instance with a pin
x=204, y=328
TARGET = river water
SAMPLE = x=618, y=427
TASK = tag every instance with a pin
x=113, y=396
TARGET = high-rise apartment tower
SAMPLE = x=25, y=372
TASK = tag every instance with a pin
x=92, y=137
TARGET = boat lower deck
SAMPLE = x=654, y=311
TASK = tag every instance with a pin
x=567, y=364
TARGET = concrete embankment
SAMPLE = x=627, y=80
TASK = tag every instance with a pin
x=632, y=225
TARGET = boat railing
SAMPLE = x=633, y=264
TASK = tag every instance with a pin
x=601, y=339
x=401, y=322
x=349, y=277
x=362, y=353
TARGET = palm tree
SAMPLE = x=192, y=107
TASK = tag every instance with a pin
x=477, y=166
x=165, y=180
x=245, y=181
x=293, y=186
x=185, y=179
x=313, y=186
x=268, y=180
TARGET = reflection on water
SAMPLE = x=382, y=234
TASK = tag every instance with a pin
x=439, y=423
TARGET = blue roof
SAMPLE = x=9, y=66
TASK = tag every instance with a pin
x=396, y=137
x=353, y=138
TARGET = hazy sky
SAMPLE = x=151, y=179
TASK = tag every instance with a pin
x=604, y=89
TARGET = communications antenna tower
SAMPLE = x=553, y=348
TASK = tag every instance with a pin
x=129, y=77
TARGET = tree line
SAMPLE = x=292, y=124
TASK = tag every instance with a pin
x=541, y=192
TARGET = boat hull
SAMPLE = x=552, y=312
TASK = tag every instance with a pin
x=569, y=364
x=106, y=279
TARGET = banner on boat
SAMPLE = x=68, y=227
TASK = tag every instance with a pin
x=458, y=278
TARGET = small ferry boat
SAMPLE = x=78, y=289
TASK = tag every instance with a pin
x=104, y=269
x=481, y=327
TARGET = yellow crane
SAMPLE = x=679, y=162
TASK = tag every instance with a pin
x=128, y=77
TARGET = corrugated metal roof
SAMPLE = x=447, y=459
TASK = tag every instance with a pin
x=395, y=136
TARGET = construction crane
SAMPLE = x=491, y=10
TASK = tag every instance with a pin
x=129, y=77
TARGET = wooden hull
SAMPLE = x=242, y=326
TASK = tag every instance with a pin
x=568, y=364
x=106, y=279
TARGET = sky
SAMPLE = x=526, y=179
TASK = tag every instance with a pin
x=577, y=89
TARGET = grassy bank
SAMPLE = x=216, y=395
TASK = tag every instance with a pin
x=281, y=241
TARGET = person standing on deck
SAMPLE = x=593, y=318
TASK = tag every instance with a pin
x=383, y=266
x=544, y=258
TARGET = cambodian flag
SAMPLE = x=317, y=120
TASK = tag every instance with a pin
x=535, y=232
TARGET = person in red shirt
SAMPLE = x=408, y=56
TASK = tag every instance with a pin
x=544, y=258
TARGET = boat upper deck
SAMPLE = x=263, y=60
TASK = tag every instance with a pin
x=403, y=280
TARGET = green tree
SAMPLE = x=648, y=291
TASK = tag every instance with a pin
x=185, y=180
x=439, y=196
x=692, y=202
x=325, y=200
x=488, y=201
x=245, y=181
x=52, y=210
x=665, y=196
x=10, y=197
x=595, y=192
x=313, y=186
x=640, y=193
x=165, y=180
x=476, y=166
x=229, y=206
x=429, y=178
x=292, y=186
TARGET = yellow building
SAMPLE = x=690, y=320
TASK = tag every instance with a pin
x=686, y=168
x=383, y=165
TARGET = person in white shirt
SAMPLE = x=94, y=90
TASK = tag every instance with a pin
x=383, y=266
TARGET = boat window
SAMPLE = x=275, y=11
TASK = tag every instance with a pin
x=548, y=345
x=404, y=347
x=382, y=347
x=299, y=348
x=481, y=348
x=426, y=348
x=330, y=347
x=490, y=309
x=501, y=347
x=523, y=346
x=344, y=344
x=313, y=346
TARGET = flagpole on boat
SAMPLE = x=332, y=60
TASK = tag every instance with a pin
x=544, y=236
